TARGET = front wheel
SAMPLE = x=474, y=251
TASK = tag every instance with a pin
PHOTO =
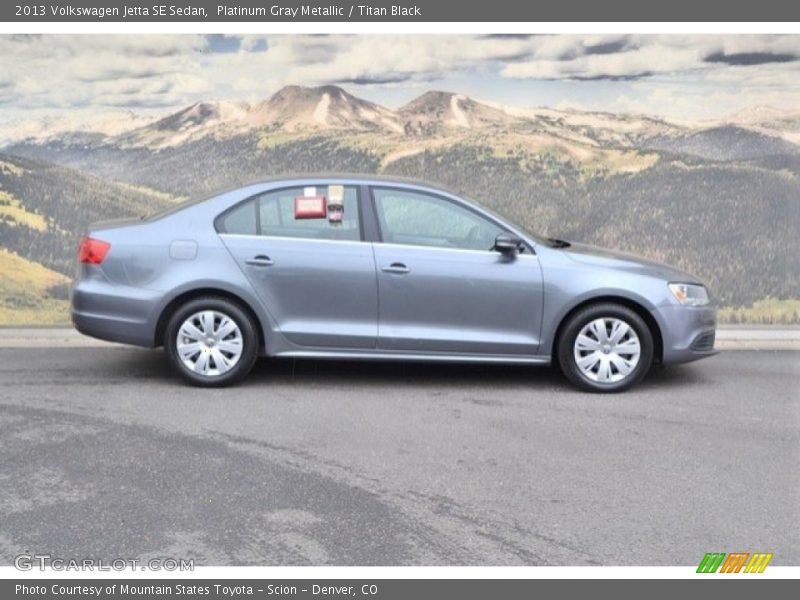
x=605, y=348
x=211, y=342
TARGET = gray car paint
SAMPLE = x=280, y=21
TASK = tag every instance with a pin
x=321, y=292
x=459, y=301
x=332, y=298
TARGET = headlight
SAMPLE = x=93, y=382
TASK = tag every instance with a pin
x=688, y=294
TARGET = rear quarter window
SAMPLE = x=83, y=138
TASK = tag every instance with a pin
x=240, y=219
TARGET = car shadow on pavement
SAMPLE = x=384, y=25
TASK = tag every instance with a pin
x=152, y=366
x=443, y=374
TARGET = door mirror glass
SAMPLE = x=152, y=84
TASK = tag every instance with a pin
x=508, y=243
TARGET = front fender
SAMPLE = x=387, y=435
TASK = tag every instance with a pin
x=569, y=285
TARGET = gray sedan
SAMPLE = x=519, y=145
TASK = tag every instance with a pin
x=378, y=269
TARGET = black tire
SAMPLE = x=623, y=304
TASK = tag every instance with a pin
x=570, y=331
x=232, y=310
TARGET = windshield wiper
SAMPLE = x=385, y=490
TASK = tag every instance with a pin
x=556, y=243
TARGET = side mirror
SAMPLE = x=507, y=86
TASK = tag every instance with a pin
x=507, y=243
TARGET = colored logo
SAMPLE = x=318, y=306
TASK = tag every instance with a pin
x=736, y=562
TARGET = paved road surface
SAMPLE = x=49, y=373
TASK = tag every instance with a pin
x=729, y=337
x=104, y=453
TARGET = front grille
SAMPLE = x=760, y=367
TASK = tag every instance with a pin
x=703, y=342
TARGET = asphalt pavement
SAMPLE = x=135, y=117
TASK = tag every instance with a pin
x=104, y=453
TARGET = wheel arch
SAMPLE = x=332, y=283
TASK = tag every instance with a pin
x=187, y=295
x=638, y=308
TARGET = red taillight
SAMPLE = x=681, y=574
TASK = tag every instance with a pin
x=92, y=251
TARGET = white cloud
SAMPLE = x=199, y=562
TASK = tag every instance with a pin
x=68, y=72
x=636, y=63
x=580, y=57
x=667, y=72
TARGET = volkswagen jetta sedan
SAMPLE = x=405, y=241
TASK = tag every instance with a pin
x=359, y=268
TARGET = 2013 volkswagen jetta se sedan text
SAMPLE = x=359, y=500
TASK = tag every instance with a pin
x=361, y=268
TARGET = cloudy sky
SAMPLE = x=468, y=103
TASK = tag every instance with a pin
x=681, y=77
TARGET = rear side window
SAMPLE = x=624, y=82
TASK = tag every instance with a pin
x=277, y=218
x=273, y=214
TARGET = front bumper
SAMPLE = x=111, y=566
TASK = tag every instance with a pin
x=687, y=332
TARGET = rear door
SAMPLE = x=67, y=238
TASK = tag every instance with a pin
x=315, y=277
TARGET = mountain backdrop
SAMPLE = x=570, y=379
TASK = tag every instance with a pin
x=720, y=199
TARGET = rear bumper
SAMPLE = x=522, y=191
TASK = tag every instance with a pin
x=114, y=313
x=688, y=332
x=112, y=329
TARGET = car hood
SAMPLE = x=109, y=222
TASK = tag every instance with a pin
x=602, y=257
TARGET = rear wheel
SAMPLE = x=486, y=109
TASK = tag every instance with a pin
x=605, y=348
x=211, y=342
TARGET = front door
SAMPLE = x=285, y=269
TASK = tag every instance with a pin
x=441, y=286
x=315, y=277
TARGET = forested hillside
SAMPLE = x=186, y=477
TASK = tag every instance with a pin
x=57, y=204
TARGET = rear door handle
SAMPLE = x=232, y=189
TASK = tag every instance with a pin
x=397, y=268
x=260, y=261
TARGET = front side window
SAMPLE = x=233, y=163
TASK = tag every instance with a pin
x=420, y=219
x=273, y=214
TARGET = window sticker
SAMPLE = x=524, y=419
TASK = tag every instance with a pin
x=310, y=207
x=335, y=204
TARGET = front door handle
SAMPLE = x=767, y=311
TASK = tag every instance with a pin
x=397, y=268
x=261, y=260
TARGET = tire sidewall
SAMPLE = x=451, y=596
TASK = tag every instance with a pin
x=242, y=320
x=566, y=357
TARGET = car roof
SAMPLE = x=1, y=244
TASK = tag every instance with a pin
x=352, y=178
x=242, y=190
x=224, y=200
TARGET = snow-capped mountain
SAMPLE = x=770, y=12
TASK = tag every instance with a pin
x=434, y=110
x=295, y=108
x=75, y=125
x=299, y=110
x=766, y=120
